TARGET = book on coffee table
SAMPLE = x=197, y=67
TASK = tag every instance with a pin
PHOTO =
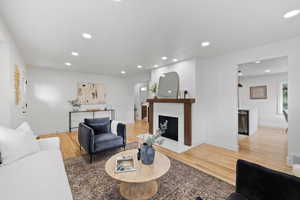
x=124, y=163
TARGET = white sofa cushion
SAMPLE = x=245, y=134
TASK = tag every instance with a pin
x=16, y=144
x=35, y=177
x=49, y=143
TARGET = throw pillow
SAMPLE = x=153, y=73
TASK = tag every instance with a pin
x=99, y=128
x=16, y=144
x=31, y=143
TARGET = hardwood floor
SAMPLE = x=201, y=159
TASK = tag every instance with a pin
x=268, y=147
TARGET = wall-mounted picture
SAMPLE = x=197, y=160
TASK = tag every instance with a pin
x=91, y=93
x=258, y=92
x=17, y=85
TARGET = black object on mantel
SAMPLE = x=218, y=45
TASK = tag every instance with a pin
x=185, y=93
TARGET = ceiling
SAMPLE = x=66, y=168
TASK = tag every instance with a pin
x=265, y=67
x=139, y=32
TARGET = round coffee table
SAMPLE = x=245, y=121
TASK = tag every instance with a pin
x=140, y=184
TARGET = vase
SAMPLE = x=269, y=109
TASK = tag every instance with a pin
x=147, y=154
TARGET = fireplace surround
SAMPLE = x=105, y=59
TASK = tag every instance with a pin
x=180, y=108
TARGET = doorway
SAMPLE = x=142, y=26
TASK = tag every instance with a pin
x=263, y=106
x=141, y=105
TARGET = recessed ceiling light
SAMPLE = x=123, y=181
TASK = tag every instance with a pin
x=123, y=72
x=205, y=44
x=164, y=58
x=86, y=35
x=68, y=64
x=258, y=61
x=155, y=66
x=117, y=0
x=175, y=60
x=291, y=14
x=267, y=70
x=240, y=73
x=75, y=53
x=139, y=66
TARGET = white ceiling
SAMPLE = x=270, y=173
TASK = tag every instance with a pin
x=140, y=32
x=274, y=66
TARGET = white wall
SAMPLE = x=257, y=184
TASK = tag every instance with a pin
x=49, y=91
x=186, y=72
x=5, y=87
x=187, y=81
x=217, y=96
x=11, y=114
x=269, y=113
x=217, y=92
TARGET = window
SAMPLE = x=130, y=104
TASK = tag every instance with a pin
x=283, y=98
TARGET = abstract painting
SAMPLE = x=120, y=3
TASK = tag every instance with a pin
x=91, y=93
x=17, y=85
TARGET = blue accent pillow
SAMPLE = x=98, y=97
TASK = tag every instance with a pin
x=99, y=127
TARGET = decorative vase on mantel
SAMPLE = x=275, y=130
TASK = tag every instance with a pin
x=147, y=154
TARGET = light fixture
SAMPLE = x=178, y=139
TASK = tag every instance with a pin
x=139, y=66
x=117, y=0
x=75, y=53
x=291, y=14
x=267, y=70
x=163, y=75
x=205, y=44
x=164, y=58
x=155, y=66
x=258, y=61
x=68, y=64
x=175, y=60
x=123, y=72
x=86, y=36
x=239, y=83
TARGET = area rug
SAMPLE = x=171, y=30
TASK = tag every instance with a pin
x=182, y=182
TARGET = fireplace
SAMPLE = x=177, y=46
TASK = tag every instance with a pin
x=172, y=124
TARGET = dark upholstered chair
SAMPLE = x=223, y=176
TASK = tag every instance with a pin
x=95, y=135
x=254, y=182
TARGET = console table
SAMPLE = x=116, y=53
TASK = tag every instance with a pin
x=112, y=115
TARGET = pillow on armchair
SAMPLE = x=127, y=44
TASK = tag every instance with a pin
x=99, y=125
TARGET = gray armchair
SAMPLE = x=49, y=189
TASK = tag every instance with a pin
x=95, y=135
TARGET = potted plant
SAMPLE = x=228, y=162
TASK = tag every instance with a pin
x=153, y=89
x=147, y=151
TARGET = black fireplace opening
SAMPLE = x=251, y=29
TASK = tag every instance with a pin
x=172, y=126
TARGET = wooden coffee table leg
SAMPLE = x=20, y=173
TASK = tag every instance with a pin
x=138, y=191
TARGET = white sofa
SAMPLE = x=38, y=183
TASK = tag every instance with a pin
x=40, y=176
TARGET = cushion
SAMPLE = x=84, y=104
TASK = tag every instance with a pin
x=40, y=176
x=99, y=125
x=17, y=144
x=114, y=127
x=107, y=141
